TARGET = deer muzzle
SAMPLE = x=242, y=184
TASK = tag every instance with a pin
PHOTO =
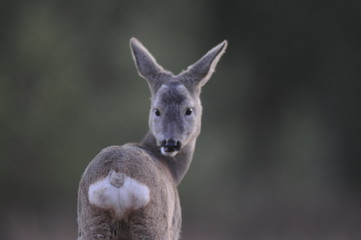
x=170, y=147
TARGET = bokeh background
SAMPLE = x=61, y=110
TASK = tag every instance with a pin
x=279, y=156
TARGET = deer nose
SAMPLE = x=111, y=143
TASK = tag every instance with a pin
x=171, y=145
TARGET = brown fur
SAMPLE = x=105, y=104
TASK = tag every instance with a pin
x=160, y=218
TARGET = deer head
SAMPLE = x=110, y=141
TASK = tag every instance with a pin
x=175, y=114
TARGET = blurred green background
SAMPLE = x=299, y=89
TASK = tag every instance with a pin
x=279, y=156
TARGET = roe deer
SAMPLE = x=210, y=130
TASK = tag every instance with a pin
x=130, y=191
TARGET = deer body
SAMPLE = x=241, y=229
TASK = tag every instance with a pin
x=130, y=191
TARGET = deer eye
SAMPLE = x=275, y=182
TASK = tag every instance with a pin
x=156, y=112
x=189, y=111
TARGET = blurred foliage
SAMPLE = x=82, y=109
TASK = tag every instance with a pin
x=279, y=154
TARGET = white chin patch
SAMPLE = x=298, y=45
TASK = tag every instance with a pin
x=168, y=154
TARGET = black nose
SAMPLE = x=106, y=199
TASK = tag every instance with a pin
x=171, y=145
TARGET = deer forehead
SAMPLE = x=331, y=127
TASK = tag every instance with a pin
x=172, y=93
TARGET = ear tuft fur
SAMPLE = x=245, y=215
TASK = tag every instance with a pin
x=195, y=76
x=147, y=66
x=201, y=71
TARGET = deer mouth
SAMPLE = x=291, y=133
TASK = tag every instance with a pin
x=168, y=153
x=170, y=148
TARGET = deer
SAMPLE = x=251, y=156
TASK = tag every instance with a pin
x=130, y=191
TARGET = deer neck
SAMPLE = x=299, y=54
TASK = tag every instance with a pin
x=179, y=164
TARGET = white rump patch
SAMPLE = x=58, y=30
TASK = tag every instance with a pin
x=119, y=193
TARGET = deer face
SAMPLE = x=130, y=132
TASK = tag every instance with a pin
x=174, y=117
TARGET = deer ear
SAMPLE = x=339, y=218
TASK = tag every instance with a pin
x=201, y=71
x=147, y=66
